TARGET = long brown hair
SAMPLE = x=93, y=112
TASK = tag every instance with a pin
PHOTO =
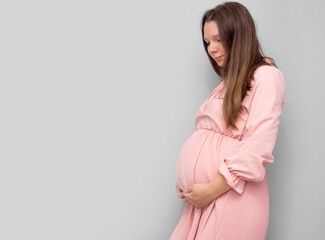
x=243, y=54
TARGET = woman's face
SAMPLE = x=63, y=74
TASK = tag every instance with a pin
x=211, y=37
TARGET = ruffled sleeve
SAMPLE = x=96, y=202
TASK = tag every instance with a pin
x=248, y=161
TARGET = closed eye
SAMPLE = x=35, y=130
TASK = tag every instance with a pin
x=209, y=43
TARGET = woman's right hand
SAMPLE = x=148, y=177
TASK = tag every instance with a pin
x=180, y=193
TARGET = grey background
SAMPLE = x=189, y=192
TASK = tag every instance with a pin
x=97, y=98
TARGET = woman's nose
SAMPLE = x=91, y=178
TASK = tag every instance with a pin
x=213, y=48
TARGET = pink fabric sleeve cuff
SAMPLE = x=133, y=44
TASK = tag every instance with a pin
x=237, y=183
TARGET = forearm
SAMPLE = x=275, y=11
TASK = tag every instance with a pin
x=219, y=185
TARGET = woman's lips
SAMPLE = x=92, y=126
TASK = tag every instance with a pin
x=218, y=58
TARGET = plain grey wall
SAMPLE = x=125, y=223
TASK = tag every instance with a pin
x=97, y=98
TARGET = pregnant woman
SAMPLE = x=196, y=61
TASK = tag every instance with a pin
x=221, y=168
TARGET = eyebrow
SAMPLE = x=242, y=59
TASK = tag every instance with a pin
x=217, y=35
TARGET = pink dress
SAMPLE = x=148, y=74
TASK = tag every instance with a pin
x=242, y=213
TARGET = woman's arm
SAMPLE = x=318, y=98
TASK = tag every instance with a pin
x=247, y=162
x=219, y=185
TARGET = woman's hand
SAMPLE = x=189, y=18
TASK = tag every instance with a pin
x=200, y=195
x=180, y=193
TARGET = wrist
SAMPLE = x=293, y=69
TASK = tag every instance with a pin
x=219, y=186
x=213, y=189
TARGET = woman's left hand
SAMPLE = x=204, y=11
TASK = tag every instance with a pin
x=200, y=195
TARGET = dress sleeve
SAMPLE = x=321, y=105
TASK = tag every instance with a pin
x=247, y=162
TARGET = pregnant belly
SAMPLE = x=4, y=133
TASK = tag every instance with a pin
x=198, y=159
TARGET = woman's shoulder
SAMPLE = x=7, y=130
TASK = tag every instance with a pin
x=267, y=73
x=266, y=69
x=267, y=79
